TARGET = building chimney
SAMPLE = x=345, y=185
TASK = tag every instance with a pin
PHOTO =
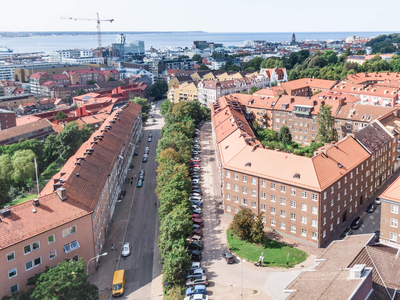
x=62, y=193
x=36, y=202
x=357, y=271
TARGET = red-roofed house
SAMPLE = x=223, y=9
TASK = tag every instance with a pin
x=307, y=86
x=274, y=75
x=85, y=75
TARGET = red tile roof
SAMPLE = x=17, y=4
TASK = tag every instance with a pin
x=308, y=82
x=38, y=75
x=24, y=129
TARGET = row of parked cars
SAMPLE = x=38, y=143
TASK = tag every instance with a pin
x=140, y=179
x=358, y=221
x=196, y=278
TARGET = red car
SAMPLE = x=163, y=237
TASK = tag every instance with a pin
x=198, y=232
x=196, y=216
x=195, y=162
x=198, y=222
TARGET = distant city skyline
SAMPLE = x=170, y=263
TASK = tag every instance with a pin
x=207, y=15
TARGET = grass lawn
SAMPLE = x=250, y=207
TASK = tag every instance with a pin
x=275, y=253
x=47, y=175
x=23, y=199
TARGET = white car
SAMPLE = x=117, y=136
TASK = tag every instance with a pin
x=193, y=198
x=195, y=180
x=197, y=297
x=126, y=249
x=195, y=195
x=378, y=201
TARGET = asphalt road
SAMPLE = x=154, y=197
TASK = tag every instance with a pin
x=142, y=228
x=371, y=222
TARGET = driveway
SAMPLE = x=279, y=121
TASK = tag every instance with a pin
x=226, y=281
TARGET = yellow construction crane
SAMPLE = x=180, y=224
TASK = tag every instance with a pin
x=98, y=27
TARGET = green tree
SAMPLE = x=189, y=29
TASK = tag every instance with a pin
x=69, y=140
x=197, y=58
x=86, y=132
x=60, y=115
x=176, y=265
x=166, y=107
x=326, y=125
x=255, y=63
x=145, y=107
x=80, y=92
x=267, y=135
x=23, y=166
x=6, y=169
x=257, y=232
x=330, y=56
x=175, y=226
x=317, y=62
x=242, y=223
x=66, y=281
x=91, y=82
x=204, y=67
x=254, y=89
x=183, y=56
x=112, y=79
x=159, y=89
x=284, y=135
x=50, y=150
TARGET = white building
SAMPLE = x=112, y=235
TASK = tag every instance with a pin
x=83, y=60
x=60, y=55
x=274, y=75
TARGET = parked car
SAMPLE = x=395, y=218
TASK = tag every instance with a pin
x=230, y=259
x=146, y=155
x=196, y=157
x=198, y=221
x=195, y=265
x=371, y=208
x=135, y=154
x=197, y=195
x=193, y=173
x=378, y=201
x=196, y=211
x=346, y=232
x=194, y=238
x=195, y=272
x=197, y=280
x=154, y=120
x=195, y=169
x=145, y=159
x=141, y=176
x=194, y=202
x=377, y=236
x=195, y=161
x=195, y=181
x=195, y=198
x=147, y=150
x=196, y=216
x=141, y=172
x=150, y=135
x=195, y=245
x=126, y=250
x=195, y=186
x=139, y=183
x=198, y=232
x=357, y=222
x=197, y=289
x=196, y=297
x=196, y=226
x=195, y=255
x=194, y=176
x=197, y=191
x=149, y=139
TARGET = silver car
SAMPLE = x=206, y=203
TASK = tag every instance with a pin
x=126, y=249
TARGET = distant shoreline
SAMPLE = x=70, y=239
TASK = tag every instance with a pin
x=9, y=34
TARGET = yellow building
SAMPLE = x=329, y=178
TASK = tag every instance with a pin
x=187, y=91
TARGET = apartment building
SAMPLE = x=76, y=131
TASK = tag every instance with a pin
x=303, y=198
x=22, y=73
x=186, y=91
x=73, y=213
x=275, y=75
x=307, y=86
x=43, y=82
x=371, y=78
x=10, y=87
x=7, y=119
x=85, y=75
x=390, y=207
x=39, y=130
x=14, y=101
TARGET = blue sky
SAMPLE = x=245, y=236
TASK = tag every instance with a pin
x=204, y=15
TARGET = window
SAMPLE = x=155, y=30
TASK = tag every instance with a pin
x=37, y=261
x=304, y=232
x=293, y=229
x=263, y=195
x=263, y=207
x=228, y=174
x=393, y=223
x=263, y=183
x=293, y=216
x=228, y=197
x=303, y=220
x=324, y=208
x=254, y=193
x=283, y=201
x=304, y=207
x=331, y=227
x=273, y=186
x=324, y=221
x=253, y=204
x=324, y=234
x=244, y=201
x=394, y=209
x=338, y=196
x=283, y=189
x=314, y=235
x=235, y=176
x=10, y=256
x=273, y=198
x=324, y=195
x=293, y=191
x=331, y=202
x=228, y=187
x=338, y=220
x=332, y=189
x=35, y=246
x=14, y=289
x=244, y=190
x=236, y=188
x=314, y=223
x=283, y=225
x=393, y=237
x=293, y=203
x=303, y=194
x=51, y=239
x=254, y=181
x=67, y=248
x=52, y=254
x=12, y=273
x=244, y=178
x=236, y=199
x=273, y=223
x=314, y=196
x=273, y=210
x=27, y=249
x=351, y=208
x=28, y=265
x=283, y=213
x=314, y=210
x=331, y=214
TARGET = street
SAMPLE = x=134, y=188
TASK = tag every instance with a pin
x=136, y=221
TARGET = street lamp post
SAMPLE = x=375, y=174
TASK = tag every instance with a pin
x=241, y=277
x=87, y=267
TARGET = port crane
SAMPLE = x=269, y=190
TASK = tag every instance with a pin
x=98, y=21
